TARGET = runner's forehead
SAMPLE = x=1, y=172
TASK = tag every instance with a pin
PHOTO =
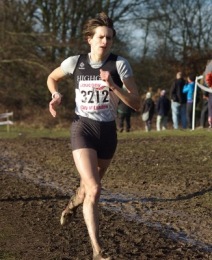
x=103, y=31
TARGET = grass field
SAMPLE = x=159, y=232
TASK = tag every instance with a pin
x=60, y=132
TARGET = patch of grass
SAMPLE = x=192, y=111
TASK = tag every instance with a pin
x=156, y=134
x=6, y=256
x=6, y=232
x=64, y=132
x=33, y=132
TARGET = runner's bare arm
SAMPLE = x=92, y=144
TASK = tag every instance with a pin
x=52, y=83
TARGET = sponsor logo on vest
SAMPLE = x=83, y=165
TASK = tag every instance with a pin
x=82, y=66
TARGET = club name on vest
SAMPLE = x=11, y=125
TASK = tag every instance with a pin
x=88, y=77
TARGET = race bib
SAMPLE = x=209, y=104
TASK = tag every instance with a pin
x=93, y=96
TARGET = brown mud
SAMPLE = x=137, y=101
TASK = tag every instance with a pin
x=156, y=200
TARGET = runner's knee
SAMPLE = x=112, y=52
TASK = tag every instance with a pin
x=93, y=192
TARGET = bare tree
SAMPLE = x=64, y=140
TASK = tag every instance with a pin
x=175, y=35
x=36, y=35
x=178, y=28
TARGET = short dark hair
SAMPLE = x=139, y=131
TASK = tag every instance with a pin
x=192, y=77
x=101, y=19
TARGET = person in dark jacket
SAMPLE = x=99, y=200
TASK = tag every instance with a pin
x=148, y=105
x=204, y=110
x=188, y=89
x=162, y=108
x=178, y=102
x=124, y=114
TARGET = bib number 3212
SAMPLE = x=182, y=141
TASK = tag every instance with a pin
x=94, y=96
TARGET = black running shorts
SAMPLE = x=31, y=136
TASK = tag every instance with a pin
x=100, y=136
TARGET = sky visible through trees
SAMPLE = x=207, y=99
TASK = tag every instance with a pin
x=158, y=37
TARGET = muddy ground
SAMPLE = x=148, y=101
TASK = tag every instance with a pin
x=156, y=201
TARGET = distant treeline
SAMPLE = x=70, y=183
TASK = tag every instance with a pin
x=37, y=35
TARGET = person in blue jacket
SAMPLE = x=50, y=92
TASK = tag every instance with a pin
x=189, y=90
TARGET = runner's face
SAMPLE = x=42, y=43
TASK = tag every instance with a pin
x=101, y=41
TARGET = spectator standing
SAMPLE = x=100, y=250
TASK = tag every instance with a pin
x=124, y=115
x=162, y=108
x=178, y=101
x=148, y=105
x=188, y=89
x=207, y=78
x=204, y=110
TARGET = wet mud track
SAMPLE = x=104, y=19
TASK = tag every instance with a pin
x=155, y=203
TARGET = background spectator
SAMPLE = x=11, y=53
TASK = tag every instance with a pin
x=204, y=110
x=188, y=89
x=148, y=105
x=124, y=115
x=162, y=108
x=178, y=101
x=208, y=70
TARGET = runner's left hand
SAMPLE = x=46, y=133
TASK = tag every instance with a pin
x=53, y=104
